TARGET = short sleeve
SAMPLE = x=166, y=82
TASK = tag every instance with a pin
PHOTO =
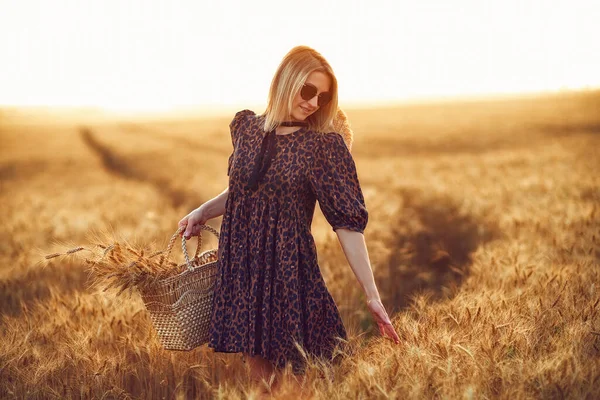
x=237, y=125
x=333, y=178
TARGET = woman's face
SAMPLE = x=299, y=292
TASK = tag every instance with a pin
x=301, y=108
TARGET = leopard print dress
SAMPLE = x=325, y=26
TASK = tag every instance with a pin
x=270, y=293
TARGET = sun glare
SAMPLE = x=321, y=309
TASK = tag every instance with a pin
x=159, y=55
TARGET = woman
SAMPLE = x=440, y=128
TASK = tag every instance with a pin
x=270, y=292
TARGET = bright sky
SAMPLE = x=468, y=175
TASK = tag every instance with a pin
x=161, y=55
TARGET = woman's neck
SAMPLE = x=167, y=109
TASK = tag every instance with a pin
x=286, y=130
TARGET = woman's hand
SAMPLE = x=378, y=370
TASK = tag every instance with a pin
x=192, y=222
x=383, y=320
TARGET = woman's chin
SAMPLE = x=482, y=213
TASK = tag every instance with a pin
x=299, y=117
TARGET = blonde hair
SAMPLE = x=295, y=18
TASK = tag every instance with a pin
x=291, y=74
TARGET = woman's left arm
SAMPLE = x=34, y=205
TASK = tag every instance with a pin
x=355, y=249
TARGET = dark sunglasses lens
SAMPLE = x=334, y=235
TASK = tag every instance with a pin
x=324, y=98
x=308, y=92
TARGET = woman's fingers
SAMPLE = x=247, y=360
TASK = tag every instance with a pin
x=383, y=321
x=183, y=223
x=193, y=228
x=387, y=330
x=191, y=222
x=189, y=229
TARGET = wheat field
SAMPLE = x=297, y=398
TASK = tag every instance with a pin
x=484, y=237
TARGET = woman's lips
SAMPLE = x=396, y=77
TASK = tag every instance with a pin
x=306, y=111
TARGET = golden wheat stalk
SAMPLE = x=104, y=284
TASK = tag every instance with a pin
x=122, y=267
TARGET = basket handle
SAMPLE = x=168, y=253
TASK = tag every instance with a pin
x=166, y=253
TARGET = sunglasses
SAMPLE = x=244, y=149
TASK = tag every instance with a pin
x=309, y=91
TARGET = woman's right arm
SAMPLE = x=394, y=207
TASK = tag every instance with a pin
x=213, y=208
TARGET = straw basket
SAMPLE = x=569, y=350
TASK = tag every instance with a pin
x=180, y=306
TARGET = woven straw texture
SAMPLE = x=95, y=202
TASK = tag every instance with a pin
x=180, y=306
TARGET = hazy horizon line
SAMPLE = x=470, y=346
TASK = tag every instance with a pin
x=226, y=109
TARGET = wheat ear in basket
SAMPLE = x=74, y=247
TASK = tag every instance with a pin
x=180, y=306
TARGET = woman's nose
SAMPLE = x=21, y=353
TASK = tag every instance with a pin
x=314, y=101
